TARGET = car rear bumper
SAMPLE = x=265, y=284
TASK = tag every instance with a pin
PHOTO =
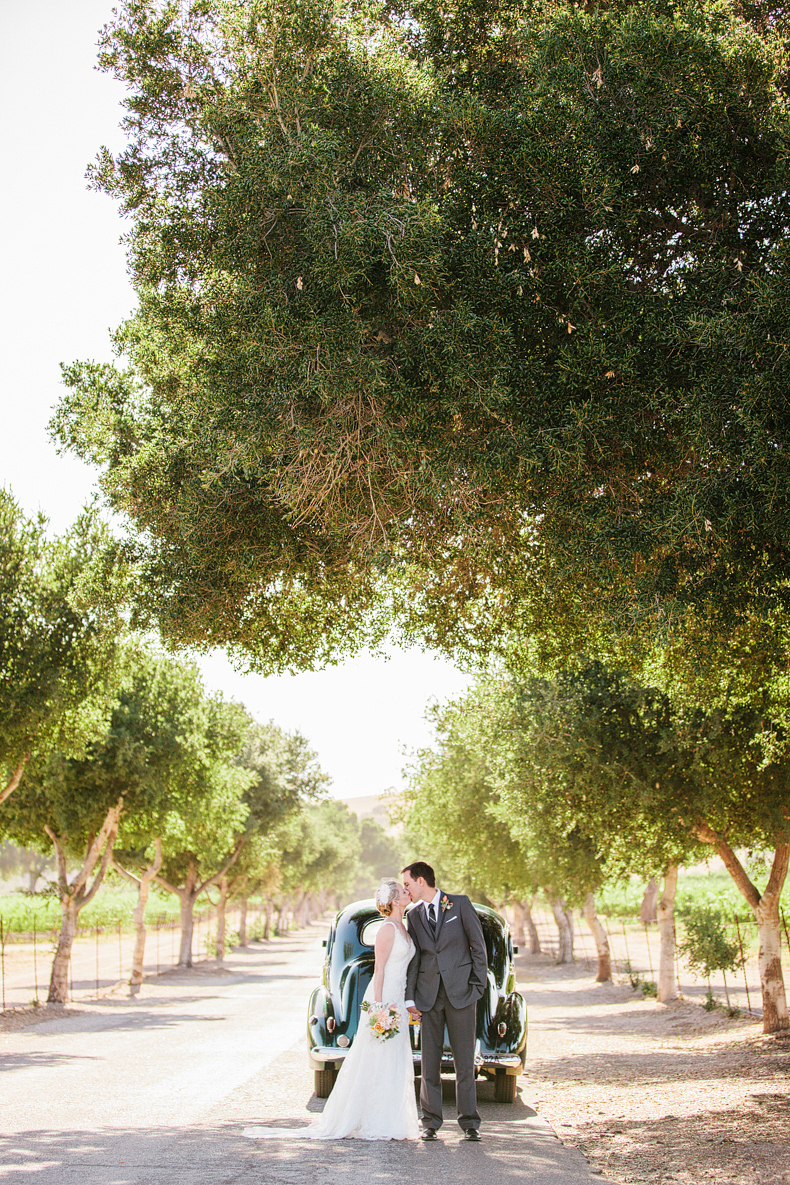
x=510, y=1063
x=320, y=1055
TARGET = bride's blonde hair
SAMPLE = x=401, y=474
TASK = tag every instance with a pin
x=386, y=893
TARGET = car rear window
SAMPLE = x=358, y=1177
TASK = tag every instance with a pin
x=367, y=935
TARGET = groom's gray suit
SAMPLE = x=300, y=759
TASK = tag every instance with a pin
x=445, y=979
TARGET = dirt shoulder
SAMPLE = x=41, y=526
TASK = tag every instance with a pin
x=654, y=1092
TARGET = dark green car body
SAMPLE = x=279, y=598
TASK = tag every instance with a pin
x=334, y=1010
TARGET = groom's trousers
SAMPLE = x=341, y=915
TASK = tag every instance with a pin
x=461, y=1024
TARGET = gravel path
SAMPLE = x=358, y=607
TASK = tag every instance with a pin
x=653, y=1092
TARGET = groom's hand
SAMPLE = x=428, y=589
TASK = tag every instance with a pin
x=415, y=1012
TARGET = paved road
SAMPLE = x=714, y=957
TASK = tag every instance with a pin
x=155, y=1090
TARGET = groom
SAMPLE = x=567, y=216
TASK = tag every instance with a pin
x=445, y=979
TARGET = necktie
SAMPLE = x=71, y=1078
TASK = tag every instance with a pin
x=432, y=917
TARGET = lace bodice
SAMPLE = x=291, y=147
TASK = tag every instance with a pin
x=394, y=989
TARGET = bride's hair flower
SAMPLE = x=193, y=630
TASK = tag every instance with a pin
x=386, y=894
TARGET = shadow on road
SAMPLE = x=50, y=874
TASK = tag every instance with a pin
x=218, y=1153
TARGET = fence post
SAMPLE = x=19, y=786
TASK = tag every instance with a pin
x=35, y=958
x=611, y=946
x=649, y=954
x=625, y=940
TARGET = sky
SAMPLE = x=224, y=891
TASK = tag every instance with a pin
x=64, y=289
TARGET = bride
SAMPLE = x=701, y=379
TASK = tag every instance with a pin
x=373, y=1097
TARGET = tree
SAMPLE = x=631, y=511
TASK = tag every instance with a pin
x=485, y=299
x=320, y=852
x=203, y=836
x=57, y=653
x=652, y=782
x=453, y=811
x=286, y=777
x=169, y=726
x=78, y=802
x=24, y=860
x=381, y=854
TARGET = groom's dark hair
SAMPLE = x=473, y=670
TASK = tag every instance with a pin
x=420, y=869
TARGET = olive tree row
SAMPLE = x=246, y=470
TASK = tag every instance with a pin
x=172, y=791
x=647, y=784
x=452, y=810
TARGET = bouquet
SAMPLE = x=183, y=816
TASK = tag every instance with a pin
x=384, y=1019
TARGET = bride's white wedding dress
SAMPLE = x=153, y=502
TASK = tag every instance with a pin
x=373, y=1096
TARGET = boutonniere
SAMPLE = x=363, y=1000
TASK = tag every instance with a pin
x=445, y=904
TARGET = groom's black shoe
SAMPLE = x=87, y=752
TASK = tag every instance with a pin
x=472, y=1134
x=428, y=1133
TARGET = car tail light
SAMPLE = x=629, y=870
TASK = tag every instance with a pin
x=501, y=1028
x=331, y=1025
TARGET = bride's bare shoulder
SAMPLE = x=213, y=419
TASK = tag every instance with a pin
x=386, y=935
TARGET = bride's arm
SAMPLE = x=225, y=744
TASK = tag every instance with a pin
x=384, y=940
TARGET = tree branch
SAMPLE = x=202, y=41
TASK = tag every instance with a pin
x=92, y=855
x=150, y=871
x=113, y=817
x=60, y=856
x=136, y=880
x=779, y=868
x=15, y=778
x=706, y=834
x=160, y=880
x=213, y=879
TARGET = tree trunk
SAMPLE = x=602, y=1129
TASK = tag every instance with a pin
x=243, y=922
x=59, y=978
x=518, y=923
x=267, y=927
x=138, y=919
x=532, y=929
x=564, y=919
x=775, y=1017
x=74, y=896
x=765, y=907
x=143, y=884
x=601, y=940
x=187, y=896
x=648, y=909
x=665, y=912
x=221, y=916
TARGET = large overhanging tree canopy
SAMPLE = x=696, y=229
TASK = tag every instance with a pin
x=494, y=292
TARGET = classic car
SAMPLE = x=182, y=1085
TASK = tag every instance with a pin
x=333, y=1013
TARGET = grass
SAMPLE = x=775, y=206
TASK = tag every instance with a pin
x=111, y=905
x=694, y=888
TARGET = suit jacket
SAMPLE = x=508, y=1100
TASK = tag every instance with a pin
x=456, y=957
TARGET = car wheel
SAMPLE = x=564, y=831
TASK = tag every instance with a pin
x=325, y=1080
x=505, y=1088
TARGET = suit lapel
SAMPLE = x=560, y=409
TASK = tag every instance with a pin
x=440, y=917
x=418, y=913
